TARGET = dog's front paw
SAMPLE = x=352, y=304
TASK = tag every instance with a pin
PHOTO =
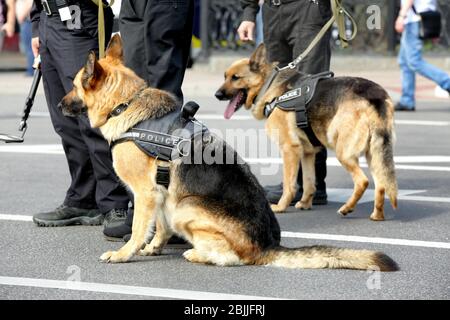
x=344, y=210
x=277, y=208
x=150, y=250
x=113, y=257
x=303, y=205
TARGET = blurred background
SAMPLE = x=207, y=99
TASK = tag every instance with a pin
x=215, y=37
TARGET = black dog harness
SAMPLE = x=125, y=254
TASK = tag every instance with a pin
x=297, y=100
x=166, y=138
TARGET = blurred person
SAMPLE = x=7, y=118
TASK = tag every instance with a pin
x=9, y=25
x=289, y=27
x=410, y=57
x=95, y=194
x=23, y=9
x=156, y=39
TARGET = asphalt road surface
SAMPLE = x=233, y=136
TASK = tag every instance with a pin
x=62, y=263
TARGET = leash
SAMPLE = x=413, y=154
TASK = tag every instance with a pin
x=101, y=25
x=338, y=15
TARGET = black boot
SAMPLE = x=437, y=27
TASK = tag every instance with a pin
x=117, y=230
x=68, y=216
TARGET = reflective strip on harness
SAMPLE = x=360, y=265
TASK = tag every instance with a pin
x=298, y=100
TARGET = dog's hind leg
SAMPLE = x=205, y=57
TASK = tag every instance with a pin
x=309, y=181
x=162, y=235
x=360, y=183
x=211, y=248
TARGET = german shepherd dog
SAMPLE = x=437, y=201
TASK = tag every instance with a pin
x=219, y=208
x=353, y=116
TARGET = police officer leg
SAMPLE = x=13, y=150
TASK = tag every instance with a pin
x=79, y=205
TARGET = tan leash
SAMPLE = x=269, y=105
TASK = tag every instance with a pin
x=338, y=15
x=101, y=25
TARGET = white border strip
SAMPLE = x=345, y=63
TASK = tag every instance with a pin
x=122, y=289
x=243, y=117
x=336, y=237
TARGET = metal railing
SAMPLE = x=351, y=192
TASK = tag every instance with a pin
x=222, y=18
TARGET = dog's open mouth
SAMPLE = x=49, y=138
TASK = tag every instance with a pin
x=235, y=103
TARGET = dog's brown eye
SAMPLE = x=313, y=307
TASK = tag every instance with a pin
x=234, y=77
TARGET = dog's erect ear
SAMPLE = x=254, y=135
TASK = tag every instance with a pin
x=115, y=48
x=93, y=72
x=258, y=58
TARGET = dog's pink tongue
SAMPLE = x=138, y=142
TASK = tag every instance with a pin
x=231, y=108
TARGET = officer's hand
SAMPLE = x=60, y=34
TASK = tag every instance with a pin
x=246, y=30
x=35, y=46
x=8, y=28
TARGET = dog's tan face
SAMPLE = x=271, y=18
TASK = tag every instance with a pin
x=100, y=85
x=243, y=81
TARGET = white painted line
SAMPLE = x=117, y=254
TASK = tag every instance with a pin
x=333, y=162
x=33, y=149
x=56, y=149
x=15, y=217
x=335, y=237
x=215, y=116
x=419, y=168
x=424, y=199
x=128, y=290
x=317, y=236
x=423, y=123
x=207, y=116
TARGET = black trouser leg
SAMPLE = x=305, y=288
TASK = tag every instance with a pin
x=288, y=30
x=157, y=39
x=93, y=181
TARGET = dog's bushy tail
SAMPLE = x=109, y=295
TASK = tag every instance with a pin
x=381, y=156
x=320, y=257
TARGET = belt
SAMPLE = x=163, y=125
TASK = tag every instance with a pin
x=50, y=7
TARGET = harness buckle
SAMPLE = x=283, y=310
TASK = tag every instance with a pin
x=46, y=7
x=276, y=3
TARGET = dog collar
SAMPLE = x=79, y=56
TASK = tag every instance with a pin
x=267, y=84
x=119, y=109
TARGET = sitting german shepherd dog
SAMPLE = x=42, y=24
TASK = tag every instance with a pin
x=353, y=116
x=219, y=208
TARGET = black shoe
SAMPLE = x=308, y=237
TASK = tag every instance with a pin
x=115, y=217
x=401, y=107
x=173, y=243
x=272, y=187
x=320, y=196
x=68, y=216
x=117, y=231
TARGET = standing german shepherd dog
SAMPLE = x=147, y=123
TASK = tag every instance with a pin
x=219, y=208
x=353, y=116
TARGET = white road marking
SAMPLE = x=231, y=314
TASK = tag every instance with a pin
x=317, y=236
x=127, y=290
x=423, y=123
x=341, y=195
x=333, y=162
x=337, y=237
x=57, y=149
x=215, y=116
x=15, y=217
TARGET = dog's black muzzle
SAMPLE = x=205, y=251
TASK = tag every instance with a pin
x=75, y=109
x=220, y=95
